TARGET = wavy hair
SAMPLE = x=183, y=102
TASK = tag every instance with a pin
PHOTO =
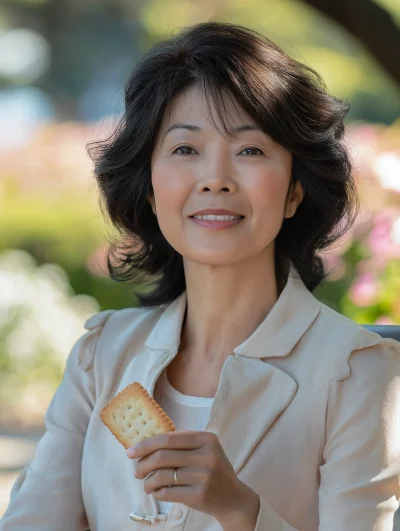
x=289, y=102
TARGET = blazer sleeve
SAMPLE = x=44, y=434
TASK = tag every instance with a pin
x=47, y=493
x=269, y=520
x=360, y=473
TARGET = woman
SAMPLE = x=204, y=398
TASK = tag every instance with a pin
x=226, y=177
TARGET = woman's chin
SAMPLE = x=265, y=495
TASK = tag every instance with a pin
x=214, y=257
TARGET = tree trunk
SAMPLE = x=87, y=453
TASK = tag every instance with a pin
x=372, y=25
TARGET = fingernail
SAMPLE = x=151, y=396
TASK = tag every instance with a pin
x=131, y=452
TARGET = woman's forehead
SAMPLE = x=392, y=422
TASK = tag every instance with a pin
x=193, y=107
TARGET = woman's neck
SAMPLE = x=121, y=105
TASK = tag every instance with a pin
x=224, y=308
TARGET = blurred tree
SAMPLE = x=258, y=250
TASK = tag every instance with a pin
x=371, y=24
x=93, y=45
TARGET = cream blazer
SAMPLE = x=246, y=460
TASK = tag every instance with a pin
x=307, y=410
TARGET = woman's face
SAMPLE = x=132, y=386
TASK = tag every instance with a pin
x=196, y=168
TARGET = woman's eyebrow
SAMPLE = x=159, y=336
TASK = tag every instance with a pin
x=196, y=128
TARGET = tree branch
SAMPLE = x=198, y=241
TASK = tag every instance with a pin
x=369, y=23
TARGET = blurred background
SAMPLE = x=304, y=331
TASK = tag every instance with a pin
x=63, y=64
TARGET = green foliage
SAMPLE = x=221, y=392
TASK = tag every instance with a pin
x=65, y=231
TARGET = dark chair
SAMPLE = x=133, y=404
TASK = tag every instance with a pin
x=391, y=331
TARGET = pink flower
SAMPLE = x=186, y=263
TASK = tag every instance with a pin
x=382, y=238
x=384, y=320
x=364, y=290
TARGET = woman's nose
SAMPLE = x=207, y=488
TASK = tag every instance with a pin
x=217, y=177
x=216, y=186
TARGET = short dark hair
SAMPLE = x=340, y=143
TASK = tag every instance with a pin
x=289, y=102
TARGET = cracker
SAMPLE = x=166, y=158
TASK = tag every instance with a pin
x=133, y=415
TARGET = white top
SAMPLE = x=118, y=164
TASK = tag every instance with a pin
x=186, y=412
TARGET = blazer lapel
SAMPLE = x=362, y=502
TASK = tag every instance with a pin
x=250, y=397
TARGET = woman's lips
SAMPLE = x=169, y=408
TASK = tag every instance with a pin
x=216, y=225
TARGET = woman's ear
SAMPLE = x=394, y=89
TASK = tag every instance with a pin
x=295, y=197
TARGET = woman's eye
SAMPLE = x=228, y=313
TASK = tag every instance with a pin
x=253, y=149
x=183, y=148
x=187, y=150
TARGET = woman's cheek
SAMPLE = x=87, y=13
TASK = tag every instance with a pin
x=170, y=219
x=268, y=208
x=171, y=184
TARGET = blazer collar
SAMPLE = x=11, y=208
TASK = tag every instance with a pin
x=290, y=317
